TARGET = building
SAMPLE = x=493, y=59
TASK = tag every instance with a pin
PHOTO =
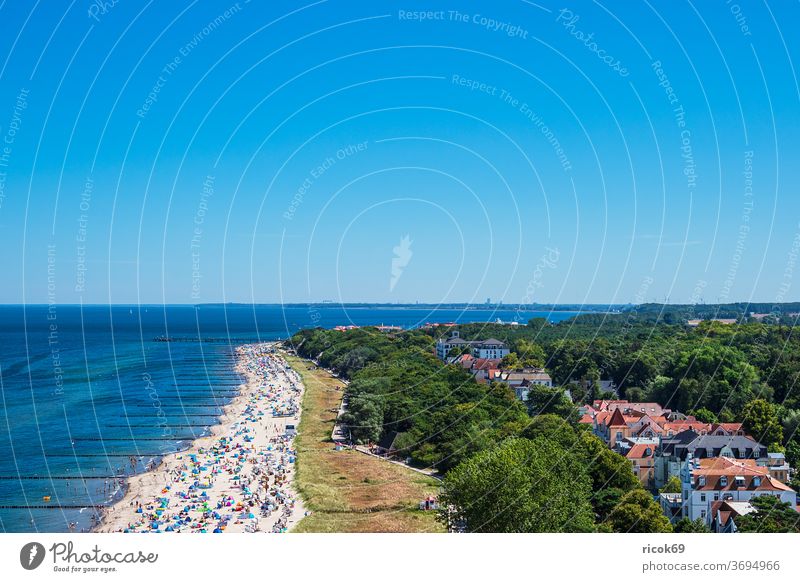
x=724, y=514
x=723, y=320
x=674, y=450
x=520, y=381
x=629, y=421
x=489, y=349
x=710, y=480
x=643, y=458
x=778, y=467
x=671, y=506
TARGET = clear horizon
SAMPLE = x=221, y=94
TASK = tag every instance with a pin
x=521, y=152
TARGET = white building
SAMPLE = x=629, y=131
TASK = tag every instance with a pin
x=490, y=349
x=707, y=481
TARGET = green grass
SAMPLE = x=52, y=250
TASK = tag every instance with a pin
x=348, y=491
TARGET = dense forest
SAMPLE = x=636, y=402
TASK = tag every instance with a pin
x=535, y=468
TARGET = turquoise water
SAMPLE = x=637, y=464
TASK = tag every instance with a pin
x=88, y=397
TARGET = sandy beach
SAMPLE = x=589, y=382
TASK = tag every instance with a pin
x=239, y=478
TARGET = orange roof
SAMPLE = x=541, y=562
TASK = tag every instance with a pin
x=728, y=426
x=682, y=425
x=586, y=419
x=728, y=466
x=602, y=417
x=484, y=363
x=639, y=451
x=713, y=469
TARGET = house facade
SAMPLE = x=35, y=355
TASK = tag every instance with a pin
x=711, y=480
x=489, y=349
x=674, y=450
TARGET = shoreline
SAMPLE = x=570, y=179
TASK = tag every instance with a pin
x=240, y=477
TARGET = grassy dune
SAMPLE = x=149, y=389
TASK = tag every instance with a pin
x=348, y=491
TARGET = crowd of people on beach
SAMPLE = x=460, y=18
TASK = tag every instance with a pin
x=239, y=480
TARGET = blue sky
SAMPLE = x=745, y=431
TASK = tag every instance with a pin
x=281, y=151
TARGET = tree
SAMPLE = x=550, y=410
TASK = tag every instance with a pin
x=673, y=485
x=521, y=486
x=704, y=415
x=771, y=515
x=556, y=429
x=544, y=400
x=356, y=359
x=709, y=376
x=531, y=355
x=635, y=394
x=605, y=500
x=364, y=417
x=510, y=362
x=637, y=512
x=686, y=525
x=760, y=420
x=791, y=424
x=607, y=469
x=793, y=453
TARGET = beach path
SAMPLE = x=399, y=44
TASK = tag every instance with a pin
x=345, y=490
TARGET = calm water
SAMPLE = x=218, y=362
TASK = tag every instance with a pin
x=87, y=395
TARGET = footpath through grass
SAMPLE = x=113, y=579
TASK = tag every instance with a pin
x=348, y=491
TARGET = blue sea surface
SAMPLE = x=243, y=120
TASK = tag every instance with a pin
x=89, y=397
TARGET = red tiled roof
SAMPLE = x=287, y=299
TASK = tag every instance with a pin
x=617, y=419
x=484, y=363
x=639, y=451
x=713, y=469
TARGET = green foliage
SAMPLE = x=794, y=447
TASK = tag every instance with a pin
x=760, y=420
x=555, y=428
x=686, y=525
x=771, y=515
x=716, y=372
x=637, y=512
x=636, y=394
x=673, y=485
x=397, y=384
x=793, y=453
x=607, y=469
x=530, y=354
x=520, y=486
x=711, y=376
x=510, y=362
x=704, y=415
x=364, y=417
x=604, y=502
x=544, y=400
x=791, y=425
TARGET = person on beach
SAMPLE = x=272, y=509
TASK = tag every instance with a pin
x=192, y=498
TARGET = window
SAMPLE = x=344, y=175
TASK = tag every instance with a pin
x=702, y=497
x=723, y=481
x=716, y=496
x=702, y=481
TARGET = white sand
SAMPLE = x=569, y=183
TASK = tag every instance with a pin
x=246, y=467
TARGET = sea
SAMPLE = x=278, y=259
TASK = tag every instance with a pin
x=92, y=394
